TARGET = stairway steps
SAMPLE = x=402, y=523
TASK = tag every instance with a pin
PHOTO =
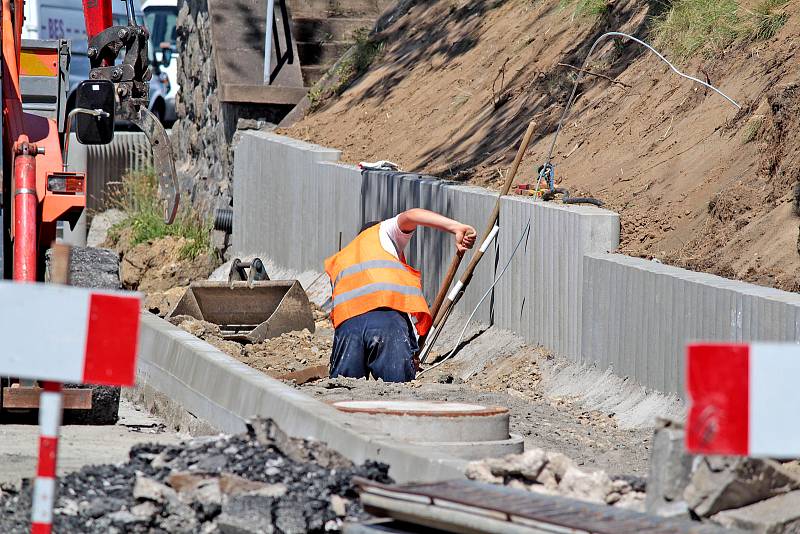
x=322, y=53
x=318, y=29
x=313, y=73
x=335, y=8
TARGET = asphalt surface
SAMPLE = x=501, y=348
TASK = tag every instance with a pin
x=80, y=444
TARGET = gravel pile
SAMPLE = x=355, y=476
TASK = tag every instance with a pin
x=261, y=481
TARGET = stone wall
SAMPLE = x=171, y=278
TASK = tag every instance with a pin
x=202, y=150
x=205, y=133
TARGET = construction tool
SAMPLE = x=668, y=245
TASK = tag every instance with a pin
x=550, y=191
x=248, y=312
x=441, y=312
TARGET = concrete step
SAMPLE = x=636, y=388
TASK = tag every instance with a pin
x=335, y=8
x=318, y=29
x=312, y=73
x=321, y=53
x=238, y=56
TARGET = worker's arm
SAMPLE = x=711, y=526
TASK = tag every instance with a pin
x=409, y=220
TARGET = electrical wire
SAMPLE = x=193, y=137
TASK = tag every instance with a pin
x=547, y=166
x=581, y=75
x=525, y=232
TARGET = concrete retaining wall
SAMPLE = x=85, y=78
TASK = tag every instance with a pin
x=638, y=316
x=224, y=392
x=295, y=205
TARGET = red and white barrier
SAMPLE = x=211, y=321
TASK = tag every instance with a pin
x=745, y=399
x=68, y=334
x=59, y=334
x=44, y=487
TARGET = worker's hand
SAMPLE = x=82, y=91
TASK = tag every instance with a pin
x=465, y=237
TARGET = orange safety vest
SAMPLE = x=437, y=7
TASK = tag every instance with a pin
x=365, y=277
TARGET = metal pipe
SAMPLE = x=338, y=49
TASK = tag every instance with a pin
x=268, y=42
x=25, y=211
x=92, y=112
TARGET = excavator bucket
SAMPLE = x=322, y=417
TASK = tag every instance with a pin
x=248, y=311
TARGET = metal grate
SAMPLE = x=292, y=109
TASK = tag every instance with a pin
x=521, y=507
x=106, y=165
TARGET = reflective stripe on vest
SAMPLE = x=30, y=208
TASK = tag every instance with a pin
x=371, y=264
x=372, y=288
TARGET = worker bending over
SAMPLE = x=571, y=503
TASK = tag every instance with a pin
x=378, y=307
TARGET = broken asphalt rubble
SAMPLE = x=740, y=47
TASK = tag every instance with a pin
x=747, y=494
x=260, y=481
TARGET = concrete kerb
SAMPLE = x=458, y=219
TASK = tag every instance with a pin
x=224, y=392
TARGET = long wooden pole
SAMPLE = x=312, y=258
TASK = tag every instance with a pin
x=447, y=282
x=441, y=312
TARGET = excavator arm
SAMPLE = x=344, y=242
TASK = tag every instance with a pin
x=131, y=79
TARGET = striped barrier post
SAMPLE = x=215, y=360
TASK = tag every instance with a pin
x=44, y=487
x=93, y=340
x=744, y=399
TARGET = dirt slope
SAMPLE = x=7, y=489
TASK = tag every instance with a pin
x=697, y=183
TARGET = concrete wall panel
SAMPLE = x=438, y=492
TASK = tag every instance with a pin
x=295, y=204
x=638, y=316
x=542, y=290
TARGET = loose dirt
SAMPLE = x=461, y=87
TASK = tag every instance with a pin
x=276, y=357
x=158, y=269
x=592, y=438
x=697, y=184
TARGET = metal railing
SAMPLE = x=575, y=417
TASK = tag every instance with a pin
x=272, y=37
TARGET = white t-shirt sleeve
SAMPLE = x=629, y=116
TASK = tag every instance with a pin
x=391, y=235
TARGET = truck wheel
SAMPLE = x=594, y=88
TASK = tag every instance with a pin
x=93, y=268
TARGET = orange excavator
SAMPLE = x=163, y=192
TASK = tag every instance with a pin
x=38, y=190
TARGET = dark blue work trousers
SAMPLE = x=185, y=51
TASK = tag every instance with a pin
x=379, y=342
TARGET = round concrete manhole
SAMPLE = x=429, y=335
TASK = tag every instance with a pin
x=419, y=408
x=461, y=429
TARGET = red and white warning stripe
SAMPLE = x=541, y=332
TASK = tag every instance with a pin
x=44, y=487
x=69, y=334
x=744, y=399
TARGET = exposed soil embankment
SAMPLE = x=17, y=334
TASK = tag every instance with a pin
x=697, y=183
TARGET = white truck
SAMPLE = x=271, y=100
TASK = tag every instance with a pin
x=160, y=17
